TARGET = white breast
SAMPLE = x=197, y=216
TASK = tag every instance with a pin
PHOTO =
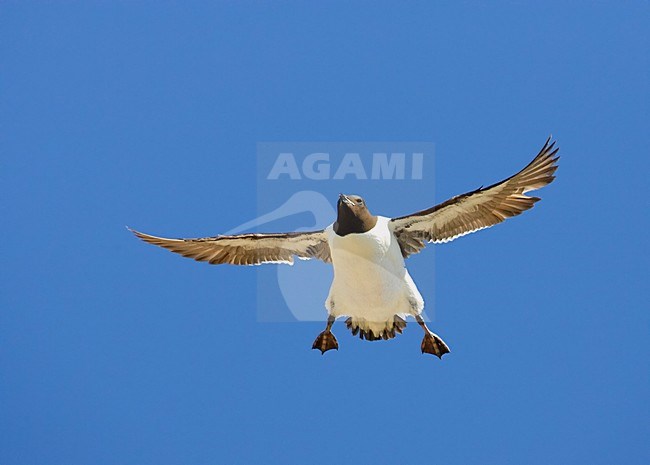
x=371, y=284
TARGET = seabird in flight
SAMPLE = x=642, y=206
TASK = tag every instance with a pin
x=371, y=285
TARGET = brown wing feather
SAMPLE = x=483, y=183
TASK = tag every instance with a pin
x=478, y=209
x=247, y=249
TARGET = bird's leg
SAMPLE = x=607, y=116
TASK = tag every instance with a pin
x=326, y=340
x=431, y=344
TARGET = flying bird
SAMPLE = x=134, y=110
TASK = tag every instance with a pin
x=371, y=285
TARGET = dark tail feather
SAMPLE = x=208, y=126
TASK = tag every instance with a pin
x=388, y=333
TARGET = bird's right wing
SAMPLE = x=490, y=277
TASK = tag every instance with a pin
x=248, y=249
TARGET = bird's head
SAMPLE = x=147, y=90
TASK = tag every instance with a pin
x=353, y=215
x=351, y=202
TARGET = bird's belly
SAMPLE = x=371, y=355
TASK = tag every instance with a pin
x=371, y=284
x=374, y=289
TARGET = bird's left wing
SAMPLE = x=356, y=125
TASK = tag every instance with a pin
x=477, y=209
x=248, y=249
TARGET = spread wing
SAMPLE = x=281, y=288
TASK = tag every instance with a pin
x=248, y=249
x=478, y=209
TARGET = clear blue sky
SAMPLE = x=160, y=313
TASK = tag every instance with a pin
x=148, y=114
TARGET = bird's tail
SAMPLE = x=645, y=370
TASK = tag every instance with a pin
x=376, y=330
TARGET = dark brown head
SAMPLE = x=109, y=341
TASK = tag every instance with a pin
x=353, y=216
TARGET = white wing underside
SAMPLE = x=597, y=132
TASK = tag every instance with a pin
x=479, y=209
x=248, y=249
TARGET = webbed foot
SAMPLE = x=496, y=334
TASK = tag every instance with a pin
x=432, y=344
x=325, y=341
